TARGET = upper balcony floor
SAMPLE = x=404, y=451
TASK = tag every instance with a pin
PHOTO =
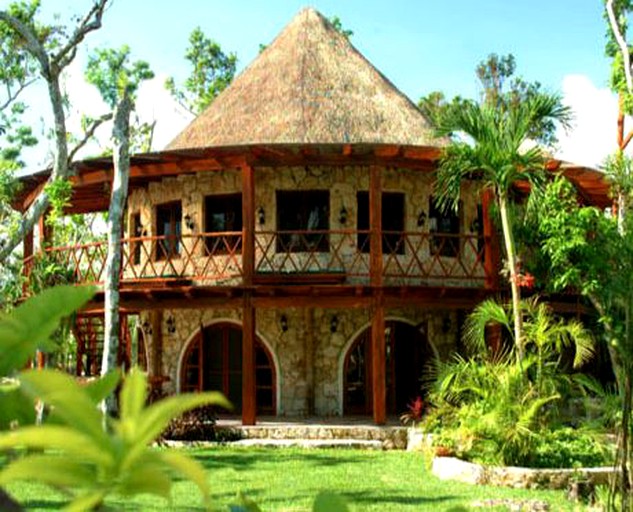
x=288, y=215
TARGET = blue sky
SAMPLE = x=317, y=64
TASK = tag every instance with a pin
x=419, y=45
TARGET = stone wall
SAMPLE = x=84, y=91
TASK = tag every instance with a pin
x=304, y=372
x=308, y=356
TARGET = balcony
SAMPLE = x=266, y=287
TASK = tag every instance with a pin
x=287, y=257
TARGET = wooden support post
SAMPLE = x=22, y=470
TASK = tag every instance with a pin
x=308, y=347
x=248, y=224
x=491, y=254
x=378, y=322
x=249, y=386
x=249, y=405
x=45, y=231
x=156, y=321
x=27, y=260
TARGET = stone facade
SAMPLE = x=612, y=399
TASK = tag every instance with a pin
x=308, y=357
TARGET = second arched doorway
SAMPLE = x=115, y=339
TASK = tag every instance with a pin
x=213, y=362
x=407, y=352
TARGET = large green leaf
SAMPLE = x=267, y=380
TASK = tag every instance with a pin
x=69, y=400
x=189, y=468
x=29, y=326
x=87, y=501
x=66, y=440
x=14, y=407
x=133, y=395
x=54, y=470
x=99, y=389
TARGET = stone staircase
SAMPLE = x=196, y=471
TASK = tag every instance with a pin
x=317, y=434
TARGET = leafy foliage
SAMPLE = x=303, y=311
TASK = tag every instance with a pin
x=212, y=72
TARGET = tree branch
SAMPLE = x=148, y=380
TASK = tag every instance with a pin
x=88, y=135
x=624, y=48
x=13, y=94
x=90, y=22
x=33, y=45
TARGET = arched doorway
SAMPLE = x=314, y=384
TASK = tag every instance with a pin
x=213, y=362
x=407, y=351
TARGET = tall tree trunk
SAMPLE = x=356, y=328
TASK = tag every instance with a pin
x=508, y=239
x=121, y=162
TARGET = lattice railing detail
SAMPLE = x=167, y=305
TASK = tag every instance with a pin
x=409, y=258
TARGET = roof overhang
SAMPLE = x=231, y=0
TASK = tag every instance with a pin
x=92, y=177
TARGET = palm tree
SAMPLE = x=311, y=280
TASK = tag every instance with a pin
x=492, y=152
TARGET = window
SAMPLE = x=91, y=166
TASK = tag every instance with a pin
x=168, y=225
x=135, y=232
x=444, y=222
x=299, y=213
x=392, y=222
x=223, y=214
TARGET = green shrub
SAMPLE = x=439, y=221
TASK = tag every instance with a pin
x=569, y=448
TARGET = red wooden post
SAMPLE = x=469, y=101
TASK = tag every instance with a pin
x=491, y=254
x=378, y=321
x=27, y=260
x=249, y=405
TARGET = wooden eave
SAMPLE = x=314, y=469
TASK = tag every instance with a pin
x=92, y=178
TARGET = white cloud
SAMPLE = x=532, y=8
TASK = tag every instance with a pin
x=593, y=135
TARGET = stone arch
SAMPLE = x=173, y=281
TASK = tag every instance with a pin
x=233, y=324
x=364, y=330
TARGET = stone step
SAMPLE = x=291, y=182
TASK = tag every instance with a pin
x=386, y=437
x=312, y=443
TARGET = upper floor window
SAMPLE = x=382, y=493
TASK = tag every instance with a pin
x=444, y=225
x=299, y=213
x=392, y=222
x=223, y=214
x=168, y=227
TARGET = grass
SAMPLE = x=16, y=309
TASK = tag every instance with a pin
x=289, y=479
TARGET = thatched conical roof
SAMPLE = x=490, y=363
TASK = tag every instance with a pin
x=309, y=86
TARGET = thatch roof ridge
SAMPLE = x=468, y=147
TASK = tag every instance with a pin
x=310, y=85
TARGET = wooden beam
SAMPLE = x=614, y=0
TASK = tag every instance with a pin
x=375, y=225
x=492, y=257
x=249, y=405
x=248, y=224
x=378, y=359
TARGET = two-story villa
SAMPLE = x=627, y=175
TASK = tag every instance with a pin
x=286, y=247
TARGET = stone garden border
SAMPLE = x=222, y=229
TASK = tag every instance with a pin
x=452, y=468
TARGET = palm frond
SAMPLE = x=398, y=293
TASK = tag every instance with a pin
x=487, y=313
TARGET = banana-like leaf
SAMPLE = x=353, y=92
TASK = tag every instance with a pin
x=85, y=502
x=99, y=389
x=157, y=416
x=54, y=470
x=29, y=326
x=133, y=395
x=66, y=440
x=189, y=468
x=146, y=479
x=14, y=407
x=69, y=400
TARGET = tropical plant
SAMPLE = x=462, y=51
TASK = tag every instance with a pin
x=494, y=153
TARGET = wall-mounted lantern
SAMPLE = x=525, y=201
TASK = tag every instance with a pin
x=283, y=323
x=189, y=222
x=147, y=327
x=261, y=215
x=171, y=324
x=334, y=324
x=342, y=217
x=421, y=219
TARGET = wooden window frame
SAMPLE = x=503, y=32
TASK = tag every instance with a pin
x=393, y=241
x=169, y=247
x=215, y=245
x=305, y=206
x=445, y=222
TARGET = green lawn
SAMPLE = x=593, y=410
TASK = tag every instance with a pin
x=289, y=479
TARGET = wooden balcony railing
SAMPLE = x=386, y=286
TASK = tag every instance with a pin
x=410, y=258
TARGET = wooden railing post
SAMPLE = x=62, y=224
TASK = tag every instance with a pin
x=27, y=261
x=376, y=277
x=249, y=404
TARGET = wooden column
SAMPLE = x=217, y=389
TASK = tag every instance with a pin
x=249, y=404
x=156, y=321
x=45, y=231
x=378, y=320
x=308, y=348
x=491, y=243
x=27, y=261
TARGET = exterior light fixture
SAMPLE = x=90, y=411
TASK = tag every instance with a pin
x=334, y=324
x=189, y=222
x=421, y=219
x=475, y=226
x=342, y=218
x=261, y=215
x=283, y=323
x=147, y=327
x=446, y=324
x=171, y=324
